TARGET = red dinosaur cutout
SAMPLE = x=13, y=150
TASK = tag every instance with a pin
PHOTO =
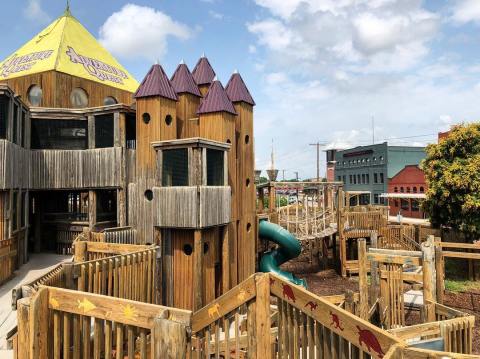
x=335, y=321
x=366, y=337
x=312, y=305
x=288, y=292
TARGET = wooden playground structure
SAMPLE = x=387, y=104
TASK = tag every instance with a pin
x=154, y=198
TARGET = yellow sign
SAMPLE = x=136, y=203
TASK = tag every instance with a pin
x=66, y=46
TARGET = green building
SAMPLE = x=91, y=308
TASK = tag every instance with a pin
x=368, y=168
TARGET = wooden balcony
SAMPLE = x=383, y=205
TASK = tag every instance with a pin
x=191, y=206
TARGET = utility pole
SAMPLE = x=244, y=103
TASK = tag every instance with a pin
x=318, y=144
x=296, y=175
x=283, y=175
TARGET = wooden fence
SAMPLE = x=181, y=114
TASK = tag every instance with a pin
x=59, y=323
x=122, y=271
x=263, y=317
x=8, y=258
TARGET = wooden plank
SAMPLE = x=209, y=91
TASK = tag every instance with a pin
x=262, y=319
x=114, y=309
x=238, y=295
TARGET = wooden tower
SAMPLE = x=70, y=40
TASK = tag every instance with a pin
x=188, y=102
x=65, y=67
x=156, y=121
x=243, y=102
x=203, y=74
x=217, y=122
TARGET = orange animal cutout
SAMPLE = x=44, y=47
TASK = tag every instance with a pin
x=335, y=321
x=213, y=311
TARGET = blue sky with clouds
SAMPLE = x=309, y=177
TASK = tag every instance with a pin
x=319, y=70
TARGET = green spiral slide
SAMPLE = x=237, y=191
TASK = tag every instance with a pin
x=288, y=248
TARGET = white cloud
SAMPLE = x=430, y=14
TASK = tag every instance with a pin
x=216, y=15
x=466, y=11
x=252, y=49
x=140, y=31
x=33, y=11
x=372, y=35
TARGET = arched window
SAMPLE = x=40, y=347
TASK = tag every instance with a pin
x=79, y=98
x=401, y=189
x=414, y=189
x=421, y=189
x=395, y=189
x=35, y=95
x=109, y=100
x=408, y=189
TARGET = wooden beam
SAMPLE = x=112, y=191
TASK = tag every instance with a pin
x=362, y=278
x=197, y=270
x=262, y=317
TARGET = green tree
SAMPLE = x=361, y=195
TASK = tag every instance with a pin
x=452, y=172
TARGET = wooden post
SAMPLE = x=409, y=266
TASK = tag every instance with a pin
x=225, y=260
x=23, y=325
x=80, y=251
x=262, y=316
x=349, y=301
x=91, y=131
x=69, y=279
x=440, y=275
x=121, y=207
x=38, y=326
x=362, y=278
x=169, y=339
x=428, y=251
x=197, y=270
x=374, y=277
x=92, y=208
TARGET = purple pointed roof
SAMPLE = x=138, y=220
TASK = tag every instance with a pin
x=203, y=72
x=237, y=91
x=216, y=100
x=156, y=83
x=183, y=82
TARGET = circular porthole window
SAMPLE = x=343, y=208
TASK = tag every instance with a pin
x=249, y=227
x=205, y=248
x=109, y=100
x=146, y=118
x=247, y=139
x=187, y=249
x=35, y=95
x=79, y=98
x=148, y=195
x=168, y=120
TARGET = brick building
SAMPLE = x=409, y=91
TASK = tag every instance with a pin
x=405, y=192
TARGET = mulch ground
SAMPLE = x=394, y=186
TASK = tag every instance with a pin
x=328, y=282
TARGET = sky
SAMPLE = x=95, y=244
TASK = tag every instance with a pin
x=340, y=72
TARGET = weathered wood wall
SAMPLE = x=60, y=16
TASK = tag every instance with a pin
x=14, y=166
x=191, y=207
x=187, y=119
x=57, y=87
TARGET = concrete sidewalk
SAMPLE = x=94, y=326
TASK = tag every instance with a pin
x=36, y=266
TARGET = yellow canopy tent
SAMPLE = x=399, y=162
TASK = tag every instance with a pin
x=66, y=46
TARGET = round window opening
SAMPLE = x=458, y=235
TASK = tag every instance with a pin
x=187, y=249
x=146, y=118
x=247, y=182
x=79, y=98
x=205, y=248
x=35, y=94
x=109, y=100
x=247, y=139
x=249, y=227
x=148, y=195
x=168, y=120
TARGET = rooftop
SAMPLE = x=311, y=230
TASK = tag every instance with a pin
x=216, y=100
x=183, y=81
x=203, y=72
x=156, y=83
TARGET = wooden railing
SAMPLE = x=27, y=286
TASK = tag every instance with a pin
x=60, y=323
x=302, y=325
x=374, y=220
x=88, y=251
x=398, y=237
x=122, y=271
x=129, y=276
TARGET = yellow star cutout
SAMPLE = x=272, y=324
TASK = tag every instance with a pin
x=54, y=303
x=86, y=305
x=129, y=312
